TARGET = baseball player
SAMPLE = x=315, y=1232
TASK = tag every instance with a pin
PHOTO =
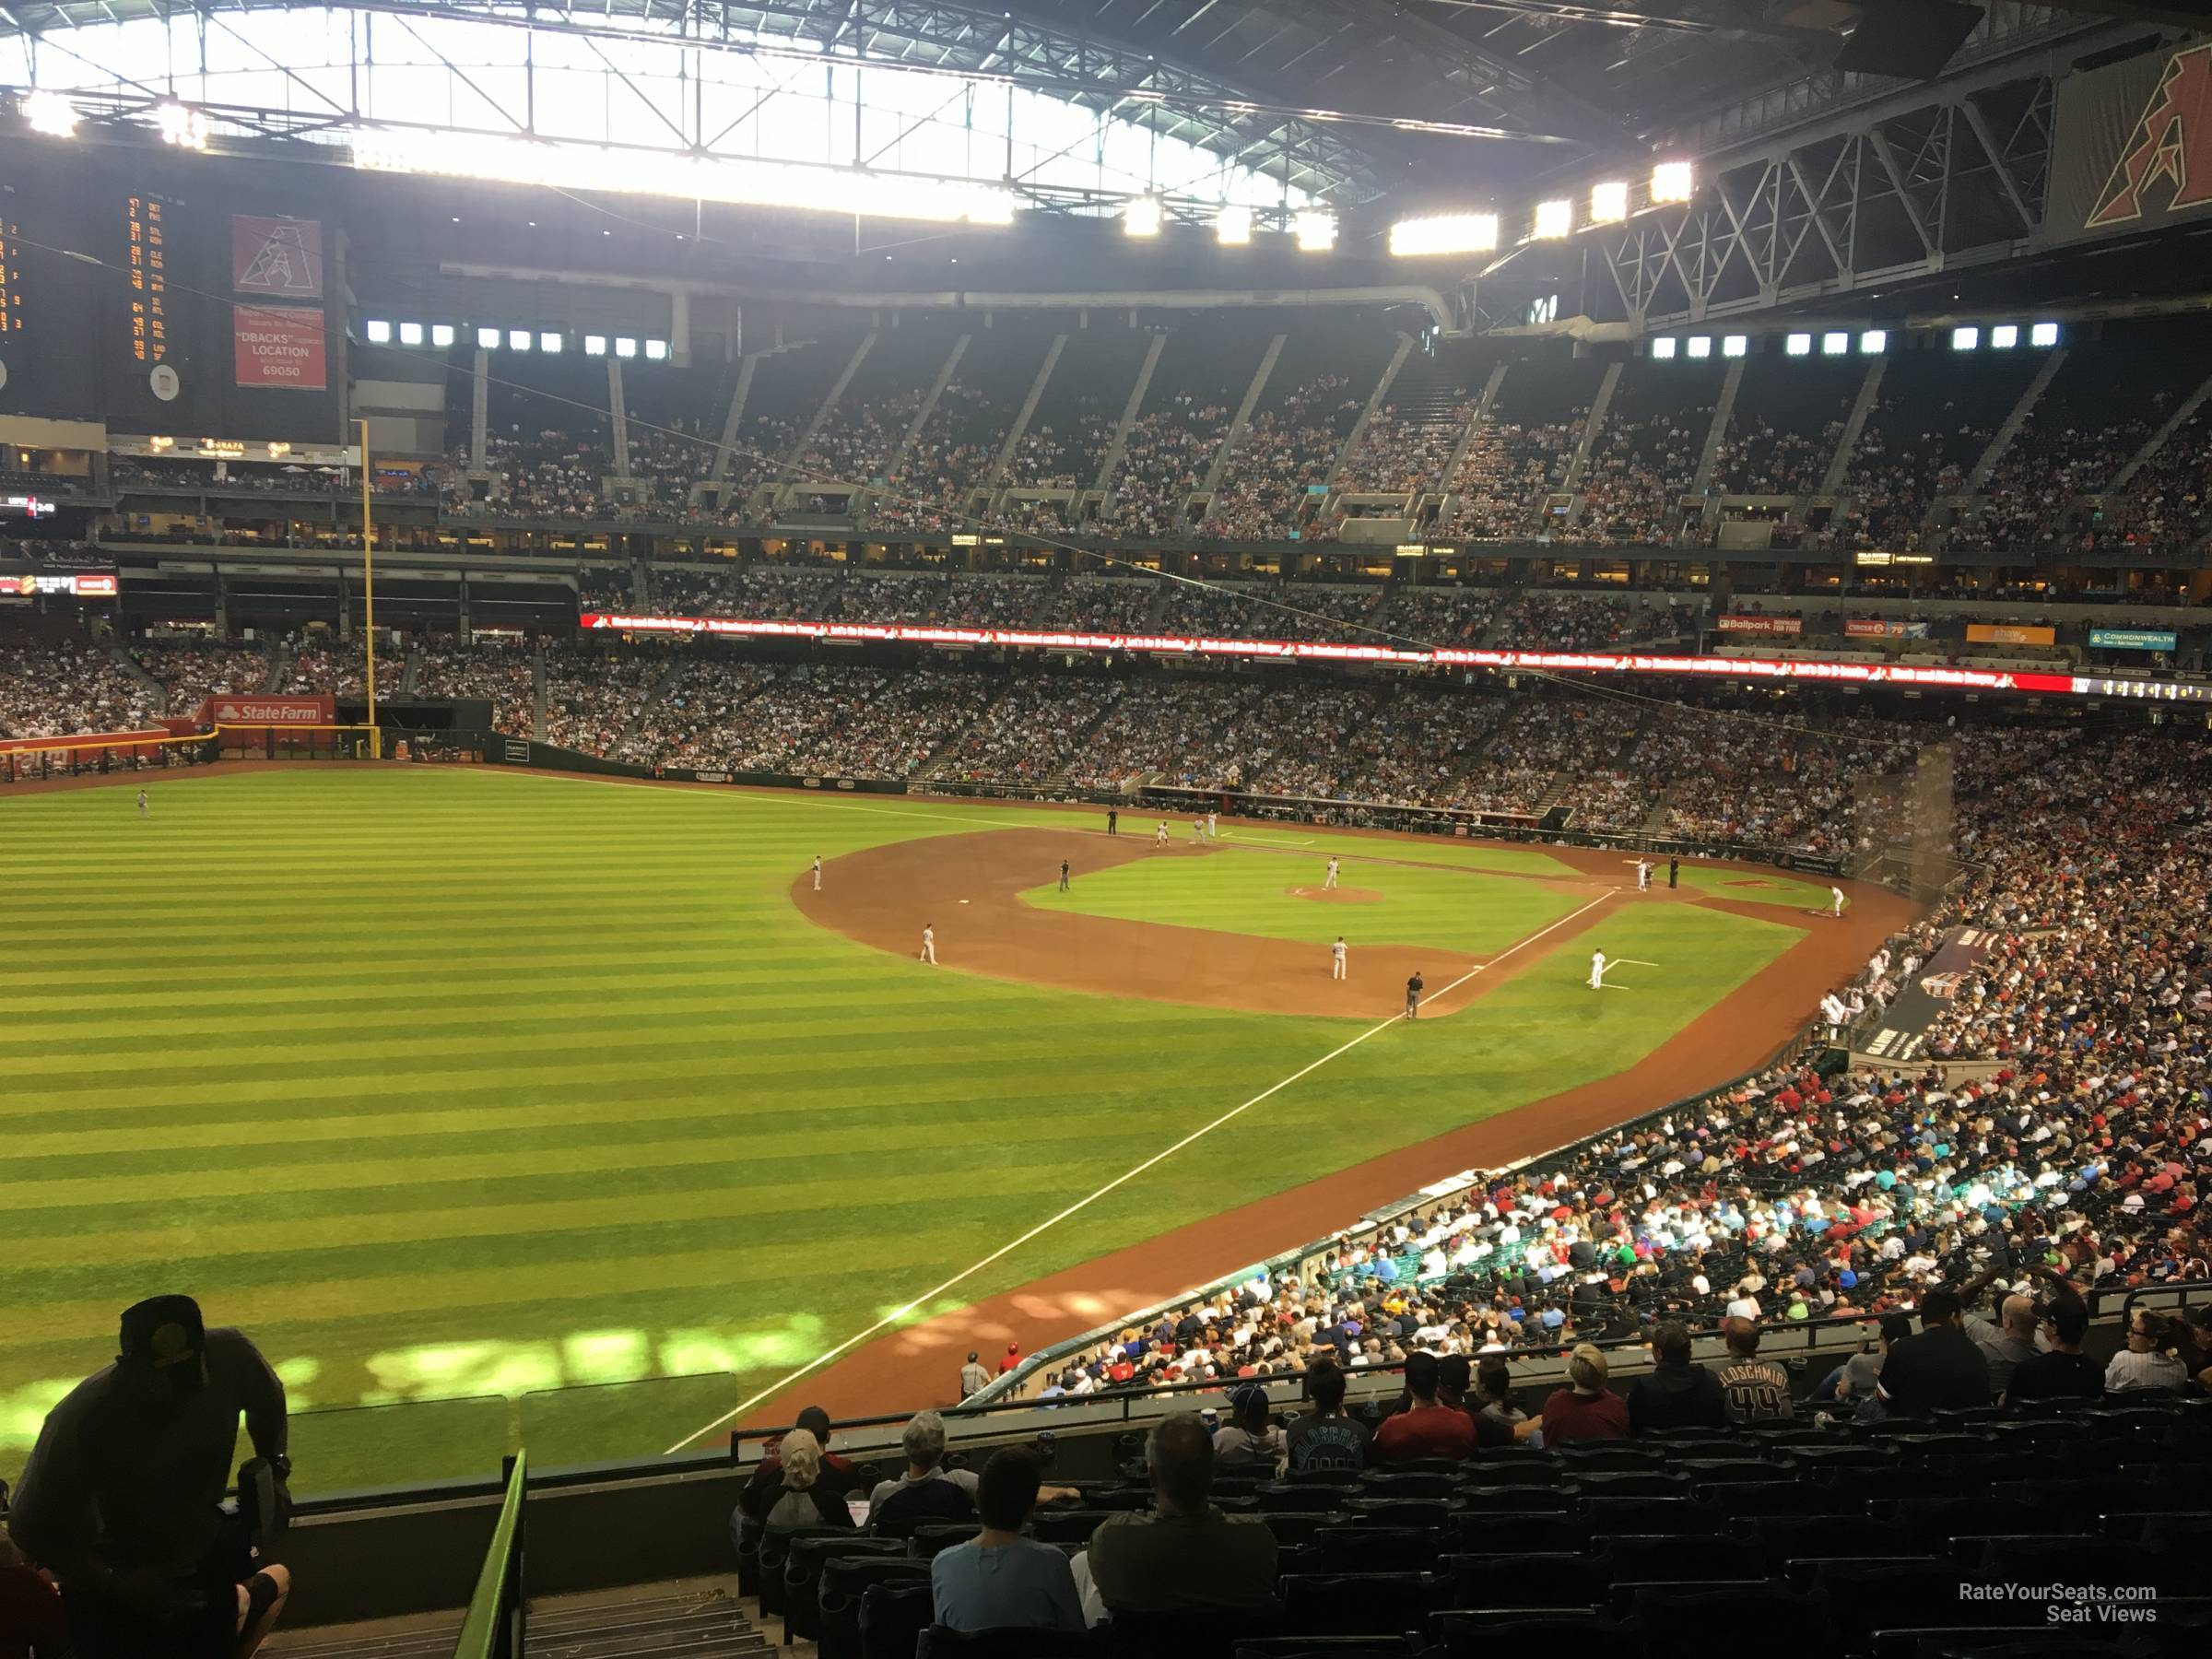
x=1644, y=875
x=1331, y=882
x=1413, y=995
x=143, y=810
x=1197, y=830
x=1064, y=875
x=1113, y=821
x=1161, y=840
x=1337, y=969
x=1673, y=872
x=818, y=872
x=929, y=944
x=1597, y=971
x=1213, y=825
x=1835, y=896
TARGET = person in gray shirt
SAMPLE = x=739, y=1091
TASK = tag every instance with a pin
x=121, y=1497
x=1002, y=1579
x=1186, y=1554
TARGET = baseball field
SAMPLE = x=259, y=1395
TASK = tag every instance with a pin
x=505, y=1108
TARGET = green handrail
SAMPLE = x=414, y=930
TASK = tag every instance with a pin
x=489, y=1608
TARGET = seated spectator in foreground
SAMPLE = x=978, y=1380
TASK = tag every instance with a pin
x=30, y=1608
x=2062, y=1371
x=1584, y=1410
x=1496, y=1420
x=1938, y=1367
x=1001, y=1579
x=2151, y=1362
x=1326, y=1438
x=1247, y=1436
x=1676, y=1394
x=2007, y=1343
x=928, y=1490
x=1756, y=1390
x=1858, y=1376
x=1427, y=1427
x=802, y=1498
x=1185, y=1554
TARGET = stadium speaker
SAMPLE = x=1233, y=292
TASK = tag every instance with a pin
x=1910, y=39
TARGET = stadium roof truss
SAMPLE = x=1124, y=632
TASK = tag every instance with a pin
x=1074, y=119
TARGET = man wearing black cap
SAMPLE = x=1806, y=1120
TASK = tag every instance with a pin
x=121, y=1499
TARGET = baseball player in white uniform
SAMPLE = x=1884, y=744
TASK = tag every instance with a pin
x=1161, y=840
x=1331, y=882
x=1835, y=896
x=1597, y=971
x=929, y=945
x=1213, y=825
x=1644, y=875
x=1337, y=969
x=818, y=872
x=142, y=806
x=1197, y=830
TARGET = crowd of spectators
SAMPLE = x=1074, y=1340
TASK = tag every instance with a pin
x=1545, y=619
x=1507, y=476
x=192, y=670
x=1163, y=462
x=593, y=692
x=501, y=670
x=56, y=685
x=312, y=666
x=1630, y=491
x=1279, y=457
x=1028, y=732
x=1404, y=452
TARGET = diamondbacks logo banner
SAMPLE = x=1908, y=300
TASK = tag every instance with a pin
x=2132, y=148
x=277, y=256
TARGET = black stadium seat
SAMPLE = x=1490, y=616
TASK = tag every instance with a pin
x=939, y=1642
x=802, y=1570
x=892, y=1617
x=1358, y=1603
x=845, y=1580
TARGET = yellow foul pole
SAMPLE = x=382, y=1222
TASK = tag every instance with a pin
x=376, y=744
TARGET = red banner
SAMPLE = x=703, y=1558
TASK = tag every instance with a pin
x=103, y=585
x=239, y=709
x=279, y=346
x=282, y=257
x=1763, y=625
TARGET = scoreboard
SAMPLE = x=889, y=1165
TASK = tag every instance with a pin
x=120, y=300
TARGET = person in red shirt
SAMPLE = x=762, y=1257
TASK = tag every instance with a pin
x=1012, y=1360
x=1427, y=1427
x=1587, y=1410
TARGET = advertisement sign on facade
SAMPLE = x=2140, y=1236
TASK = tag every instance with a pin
x=2133, y=638
x=1881, y=628
x=279, y=346
x=282, y=257
x=1763, y=625
x=243, y=709
x=2009, y=634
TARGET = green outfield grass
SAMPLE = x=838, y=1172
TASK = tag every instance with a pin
x=519, y=1107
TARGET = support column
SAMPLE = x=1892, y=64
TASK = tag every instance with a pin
x=479, y=399
x=1028, y=411
x=730, y=422
x=1111, y=464
x=791, y=460
x=1243, y=416
x=1847, y=441
x=1375, y=402
x=2005, y=435
x=619, y=415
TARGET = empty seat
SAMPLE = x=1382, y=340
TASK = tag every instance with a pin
x=1926, y=1525
x=940, y=1642
x=1516, y=1500
x=845, y=1580
x=1399, y=1512
x=1549, y=1579
x=1680, y=1621
x=1487, y=1476
x=892, y=1617
x=1487, y=1632
x=1648, y=1515
x=1188, y=1634
x=1789, y=1497
x=802, y=1573
x=1627, y=1483
x=1066, y=1525
x=1473, y=1532
x=1358, y=1603
x=933, y=1535
x=775, y=1554
x=1638, y=1557
x=1701, y=1473
x=1389, y=1483
x=1878, y=1591
x=1328, y=1647
x=1787, y=1538
x=1346, y=1549
x=1301, y=1500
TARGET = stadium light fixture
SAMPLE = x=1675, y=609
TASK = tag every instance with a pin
x=2004, y=337
x=518, y=339
x=2043, y=334
x=1232, y=225
x=51, y=113
x=1874, y=342
x=595, y=345
x=548, y=341
x=377, y=332
x=1835, y=343
x=182, y=125
x=1700, y=346
x=487, y=340
x=1142, y=217
x=1316, y=231
x=1610, y=202
x=1445, y=233
x=442, y=334
x=1672, y=182
x=410, y=334
x=1663, y=347
x=656, y=351
x=1966, y=337
x=625, y=346
x=1734, y=346
x=745, y=184
x=1554, y=219
x=1798, y=345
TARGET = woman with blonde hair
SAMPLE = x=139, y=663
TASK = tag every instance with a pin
x=1587, y=1409
x=806, y=1500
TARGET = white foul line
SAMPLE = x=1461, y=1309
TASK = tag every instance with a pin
x=965, y=1274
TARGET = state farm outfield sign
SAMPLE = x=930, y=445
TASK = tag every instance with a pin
x=232, y=710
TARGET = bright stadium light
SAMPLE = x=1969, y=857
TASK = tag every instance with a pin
x=518, y=339
x=1835, y=344
x=1874, y=342
x=746, y=183
x=1610, y=202
x=1965, y=337
x=2004, y=337
x=442, y=334
x=1700, y=346
x=625, y=346
x=1663, y=347
x=548, y=341
x=656, y=351
x=1672, y=182
x=1445, y=233
x=1798, y=345
x=1553, y=219
x=1142, y=217
x=1735, y=344
x=487, y=340
x=595, y=345
x=180, y=125
x=410, y=334
x=2043, y=334
x=1232, y=225
x=377, y=332
x=1316, y=231
x=51, y=113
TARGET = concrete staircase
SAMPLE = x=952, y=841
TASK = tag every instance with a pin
x=537, y=690
x=410, y=672
x=131, y=666
x=668, y=681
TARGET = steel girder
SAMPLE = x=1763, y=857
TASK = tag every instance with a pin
x=1955, y=180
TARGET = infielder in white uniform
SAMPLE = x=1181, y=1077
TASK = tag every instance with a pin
x=1644, y=875
x=1337, y=969
x=929, y=945
x=1597, y=971
x=1331, y=880
x=1836, y=907
x=1160, y=838
x=1197, y=830
x=818, y=872
x=1213, y=825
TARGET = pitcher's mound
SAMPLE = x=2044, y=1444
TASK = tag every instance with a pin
x=1339, y=895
